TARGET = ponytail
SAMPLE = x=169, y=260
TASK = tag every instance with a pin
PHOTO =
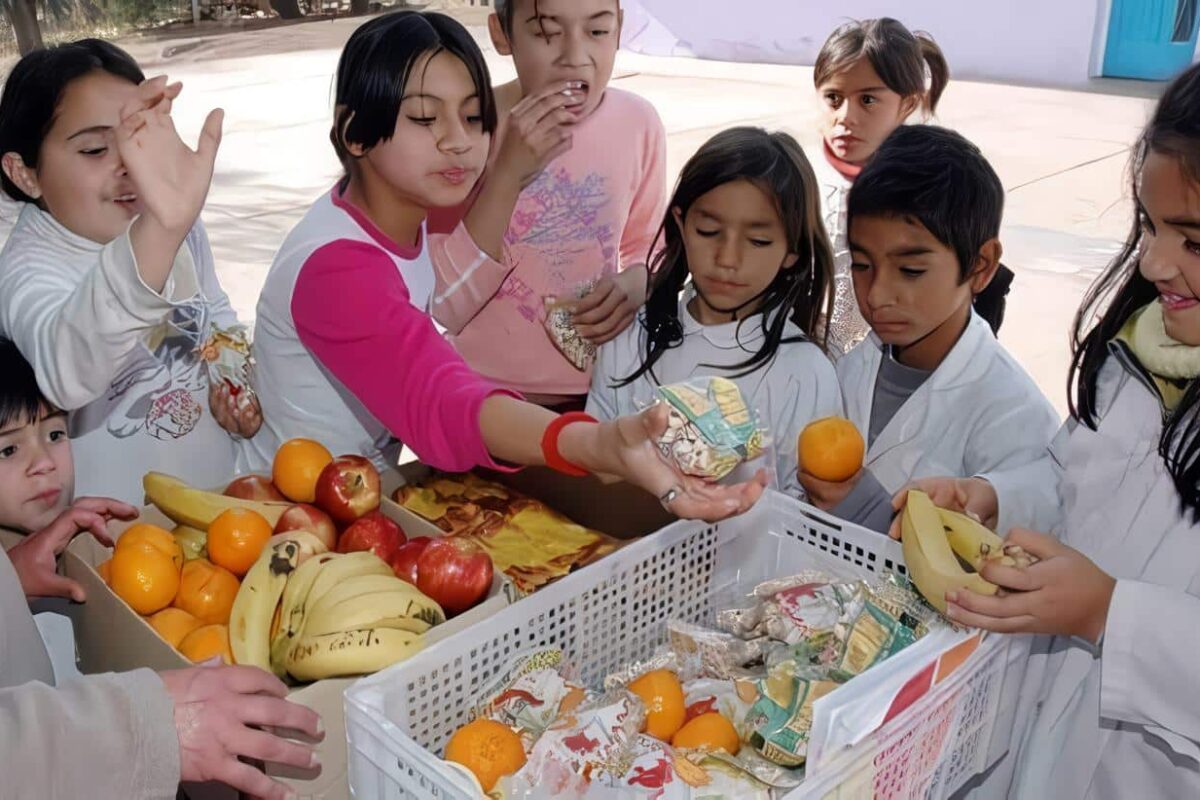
x=939, y=72
x=991, y=302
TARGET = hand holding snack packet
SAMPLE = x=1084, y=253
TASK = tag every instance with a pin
x=711, y=429
x=232, y=400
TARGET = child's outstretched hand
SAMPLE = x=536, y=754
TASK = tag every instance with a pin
x=611, y=306
x=35, y=559
x=171, y=179
x=1064, y=593
x=241, y=415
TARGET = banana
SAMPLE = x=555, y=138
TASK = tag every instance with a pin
x=342, y=569
x=970, y=540
x=310, y=545
x=360, y=585
x=292, y=608
x=196, y=508
x=357, y=652
x=254, y=607
x=364, y=610
x=928, y=553
x=324, y=625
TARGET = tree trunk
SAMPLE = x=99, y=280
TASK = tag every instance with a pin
x=22, y=15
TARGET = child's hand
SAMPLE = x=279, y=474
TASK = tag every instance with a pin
x=240, y=415
x=1064, y=593
x=974, y=497
x=612, y=306
x=35, y=558
x=827, y=495
x=536, y=132
x=171, y=179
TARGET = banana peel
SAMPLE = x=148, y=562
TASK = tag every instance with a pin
x=934, y=540
x=196, y=508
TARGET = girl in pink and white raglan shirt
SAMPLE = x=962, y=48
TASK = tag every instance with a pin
x=346, y=352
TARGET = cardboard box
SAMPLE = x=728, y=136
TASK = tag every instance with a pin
x=111, y=637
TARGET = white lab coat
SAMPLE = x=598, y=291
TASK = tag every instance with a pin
x=1126, y=723
x=979, y=414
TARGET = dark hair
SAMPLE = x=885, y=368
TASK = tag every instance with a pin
x=803, y=292
x=899, y=56
x=376, y=64
x=506, y=10
x=1121, y=290
x=35, y=87
x=938, y=178
x=20, y=397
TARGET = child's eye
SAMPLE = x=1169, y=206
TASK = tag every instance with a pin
x=94, y=151
x=1192, y=247
x=911, y=272
x=424, y=122
x=859, y=266
x=869, y=100
x=599, y=33
x=707, y=234
x=58, y=436
x=8, y=452
x=833, y=100
x=761, y=242
x=475, y=119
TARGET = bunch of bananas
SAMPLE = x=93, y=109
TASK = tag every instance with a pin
x=331, y=616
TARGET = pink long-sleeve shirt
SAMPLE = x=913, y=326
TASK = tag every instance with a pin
x=592, y=212
x=346, y=354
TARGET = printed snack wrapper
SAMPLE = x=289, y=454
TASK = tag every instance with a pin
x=561, y=329
x=719, y=654
x=530, y=694
x=227, y=355
x=711, y=429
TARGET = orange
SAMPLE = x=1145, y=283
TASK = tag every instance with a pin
x=207, y=592
x=155, y=536
x=831, y=449
x=236, y=539
x=173, y=624
x=662, y=693
x=710, y=731
x=205, y=642
x=488, y=749
x=298, y=464
x=105, y=570
x=144, y=577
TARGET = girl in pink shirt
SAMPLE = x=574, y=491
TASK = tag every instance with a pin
x=345, y=349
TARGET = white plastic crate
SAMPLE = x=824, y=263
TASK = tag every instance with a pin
x=615, y=612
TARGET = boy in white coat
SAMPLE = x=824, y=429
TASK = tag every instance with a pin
x=931, y=390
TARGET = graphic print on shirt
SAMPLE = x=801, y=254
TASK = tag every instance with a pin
x=155, y=393
x=559, y=218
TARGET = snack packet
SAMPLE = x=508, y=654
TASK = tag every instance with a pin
x=226, y=353
x=560, y=327
x=530, y=693
x=719, y=654
x=710, y=429
x=781, y=718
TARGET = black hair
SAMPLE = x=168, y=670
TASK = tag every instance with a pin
x=20, y=397
x=938, y=178
x=910, y=64
x=34, y=89
x=775, y=163
x=375, y=67
x=1122, y=290
x=506, y=10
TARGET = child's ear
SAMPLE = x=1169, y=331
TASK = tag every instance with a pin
x=790, y=261
x=21, y=175
x=908, y=106
x=499, y=38
x=986, y=264
x=677, y=215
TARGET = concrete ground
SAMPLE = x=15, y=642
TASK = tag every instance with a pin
x=1061, y=154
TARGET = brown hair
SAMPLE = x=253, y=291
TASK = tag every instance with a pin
x=900, y=57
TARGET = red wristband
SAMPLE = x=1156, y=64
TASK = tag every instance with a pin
x=554, y=459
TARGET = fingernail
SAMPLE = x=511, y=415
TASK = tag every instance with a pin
x=314, y=761
x=320, y=727
x=290, y=795
x=951, y=597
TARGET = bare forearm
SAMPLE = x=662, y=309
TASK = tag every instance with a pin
x=513, y=430
x=489, y=217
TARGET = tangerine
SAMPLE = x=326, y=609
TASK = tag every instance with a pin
x=831, y=449
x=104, y=568
x=662, y=693
x=206, y=642
x=711, y=731
x=144, y=577
x=236, y=539
x=173, y=624
x=155, y=536
x=298, y=464
x=207, y=591
x=488, y=749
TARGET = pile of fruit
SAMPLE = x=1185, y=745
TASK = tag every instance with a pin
x=300, y=573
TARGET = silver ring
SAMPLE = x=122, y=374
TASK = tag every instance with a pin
x=669, y=497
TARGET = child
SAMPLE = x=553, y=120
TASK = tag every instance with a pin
x=871, y=76
x=107, y=283
x=1115, y=711
x=345, y=349
x=744, y=225
x=590, y=216
x=931, y=391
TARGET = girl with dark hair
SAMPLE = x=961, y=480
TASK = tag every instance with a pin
x=741, y=283
x=1112, y=708
x=872, y=76
x=344, y=345
x=107, y=282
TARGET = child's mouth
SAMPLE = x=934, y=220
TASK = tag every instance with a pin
x=127, y=201
x=1176, y=302
x=577, y=95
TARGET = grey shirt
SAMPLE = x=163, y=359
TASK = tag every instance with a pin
x=868, y=503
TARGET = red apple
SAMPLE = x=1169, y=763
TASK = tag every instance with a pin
x=348, y=488
x=455, y=572
x=303, y=517
x=373, y=532
x=254, y=487
x=404, y=563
